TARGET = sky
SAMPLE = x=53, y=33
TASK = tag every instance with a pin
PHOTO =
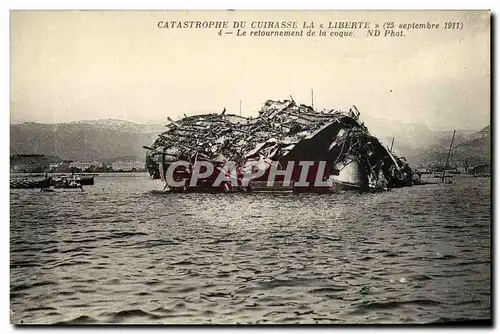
x=80, y=65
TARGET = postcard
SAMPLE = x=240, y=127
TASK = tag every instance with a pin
x=250, y=167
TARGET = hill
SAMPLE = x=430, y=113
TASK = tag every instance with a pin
x=83, y=140
x=472, y=149
x=111, y=139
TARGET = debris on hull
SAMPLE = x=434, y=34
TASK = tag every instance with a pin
x=324, y=151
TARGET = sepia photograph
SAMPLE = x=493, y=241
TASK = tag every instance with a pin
x=234, y=167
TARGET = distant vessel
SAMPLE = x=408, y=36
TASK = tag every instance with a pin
x=87, y=180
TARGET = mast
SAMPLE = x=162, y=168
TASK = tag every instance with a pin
x=392, y=143
x=312, y=98
x=449, y=153
x=240, y=107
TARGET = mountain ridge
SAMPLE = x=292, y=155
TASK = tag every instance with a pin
x=83, y=140
x=103, y=139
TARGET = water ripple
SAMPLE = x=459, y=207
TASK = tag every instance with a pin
x=119, y=253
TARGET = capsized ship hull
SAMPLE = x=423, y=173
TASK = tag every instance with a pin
x=337, y=145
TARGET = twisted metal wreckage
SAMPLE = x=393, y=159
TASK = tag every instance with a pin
x=283, y=132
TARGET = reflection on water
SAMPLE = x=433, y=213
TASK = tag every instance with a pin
x=117, y=253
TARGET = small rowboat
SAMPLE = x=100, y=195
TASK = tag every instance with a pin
x=29, y=184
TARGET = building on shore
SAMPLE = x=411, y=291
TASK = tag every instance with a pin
x=127, y=166
x=83, y=165
x=61, y=167
x=30, y=163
